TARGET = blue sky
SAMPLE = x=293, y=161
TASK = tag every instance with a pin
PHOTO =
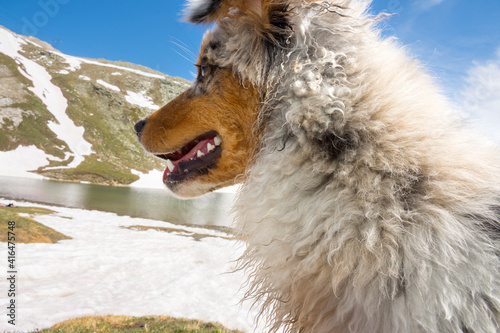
x=458, y=41
x=447, y=35
x=141, y=32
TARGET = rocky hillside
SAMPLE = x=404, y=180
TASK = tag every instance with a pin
x=71, y=118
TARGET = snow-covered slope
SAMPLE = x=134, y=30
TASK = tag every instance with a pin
x=51, y=95
x=127, y=267
x=71, y=118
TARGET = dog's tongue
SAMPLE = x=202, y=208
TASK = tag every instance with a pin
x=201, y=148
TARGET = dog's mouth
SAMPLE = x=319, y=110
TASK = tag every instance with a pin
x=193, y=159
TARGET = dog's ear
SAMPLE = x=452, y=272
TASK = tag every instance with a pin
x=209, y=11
x=205, y=11
x=269, y=17
x=275, y=19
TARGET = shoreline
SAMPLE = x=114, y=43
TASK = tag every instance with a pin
x=157, y=204
x=111, y=266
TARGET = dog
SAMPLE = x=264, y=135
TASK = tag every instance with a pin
x=366, y=205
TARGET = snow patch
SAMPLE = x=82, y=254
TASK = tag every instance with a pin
x=107, y=85
x=116, y=73
x=32, y=43
x=140, y=99
x=109, y=268
x=153, y=179
x=75, y=63
x=63, y=72
x=180, y=83
x=230, y=189
x=22, y=160
x=85, y=78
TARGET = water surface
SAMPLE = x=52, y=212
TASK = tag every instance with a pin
x=209, y=210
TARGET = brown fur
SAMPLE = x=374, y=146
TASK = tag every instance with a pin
x=228, y=108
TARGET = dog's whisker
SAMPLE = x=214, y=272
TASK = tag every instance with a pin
x=186, y=49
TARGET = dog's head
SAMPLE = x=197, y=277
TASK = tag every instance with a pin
x=208, y=134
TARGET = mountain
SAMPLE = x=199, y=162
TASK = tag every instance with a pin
x=70, y=118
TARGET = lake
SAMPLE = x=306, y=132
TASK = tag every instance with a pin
x=210, y=210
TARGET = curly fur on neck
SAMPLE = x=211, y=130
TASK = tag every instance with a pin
x=368, y=207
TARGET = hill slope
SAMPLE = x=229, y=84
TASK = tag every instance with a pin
x=70, y=118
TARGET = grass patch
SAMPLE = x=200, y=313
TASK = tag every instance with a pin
x=94, y=171
x=117, y=324
x=27, y=230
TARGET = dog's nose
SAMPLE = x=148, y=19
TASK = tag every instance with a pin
x=140, y=126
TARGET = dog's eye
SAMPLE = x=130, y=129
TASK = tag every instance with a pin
x=202, y=70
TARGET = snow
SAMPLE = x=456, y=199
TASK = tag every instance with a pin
x=33, y=43
x=140, y=99
x=63, y=72
x=107, y=268
x=230, y=189
x=153, y=179
x=51, y=96
x=75, y=63
x=83, y=77
x=181, y=83
x=18, y=162
x=116, y=74
x=107, y=85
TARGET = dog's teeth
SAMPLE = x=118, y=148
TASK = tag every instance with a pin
x=217, y=140
x=199, y=154
x=210, y=147
x=170, y=165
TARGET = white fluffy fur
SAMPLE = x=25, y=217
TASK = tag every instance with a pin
x=388, y=236
x=368, y=207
